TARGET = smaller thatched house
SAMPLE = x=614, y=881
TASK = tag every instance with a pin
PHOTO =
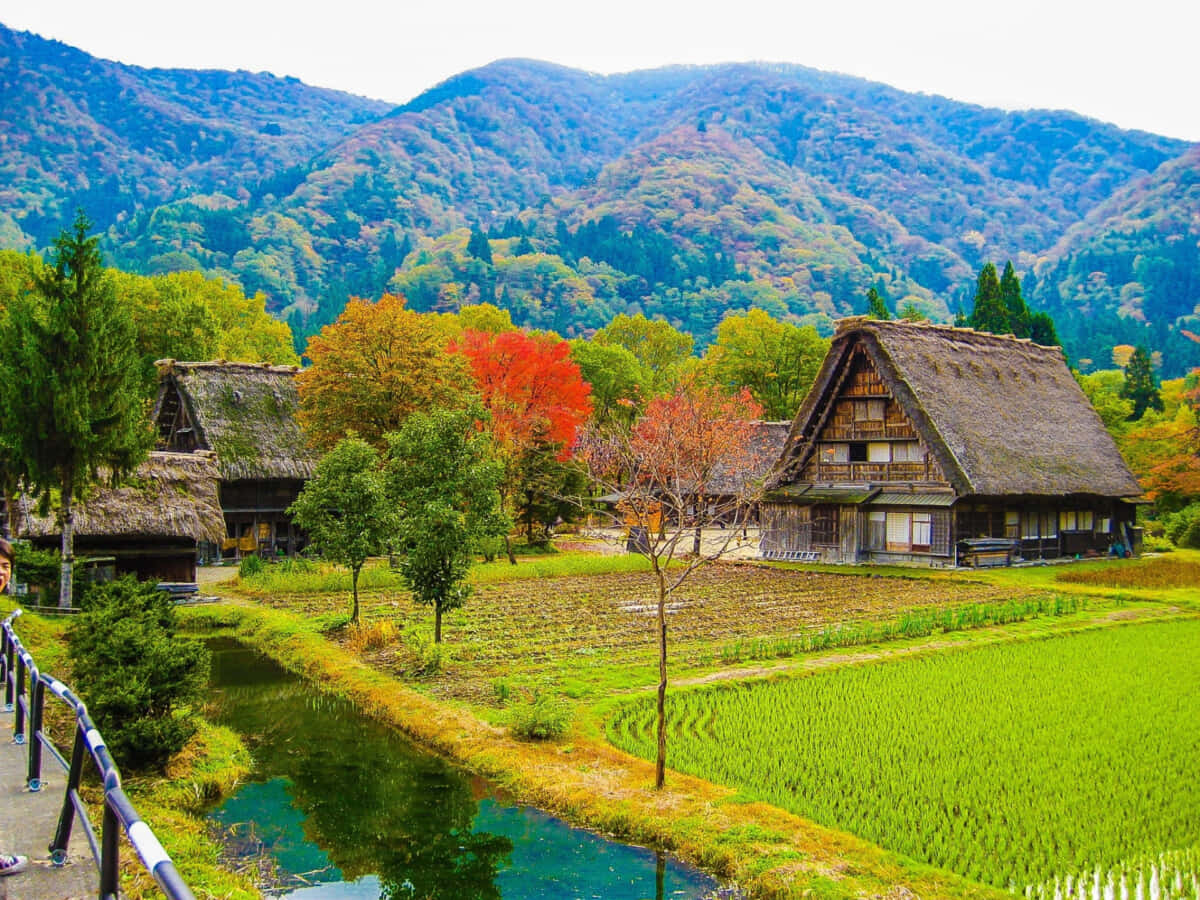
x=767, y=441
x=927, y=443
x=154, y=526
x=245, y=413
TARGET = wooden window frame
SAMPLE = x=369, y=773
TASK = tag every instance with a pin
x=825, y=518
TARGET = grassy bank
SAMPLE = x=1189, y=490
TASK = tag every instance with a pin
x=173, y=803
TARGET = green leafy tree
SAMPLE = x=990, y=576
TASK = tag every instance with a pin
x=620, y=383
x=345, y=508
x=1141, y=385
x=1104, y=391
x=877, y=306
x=989, y=312
x=1019, y=319
x=446, y=489
x=656, y=344
x=73, y=401
x=912, y=313
x=776, y=361
x=142, y=683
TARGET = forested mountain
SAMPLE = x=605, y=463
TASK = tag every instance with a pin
x=568, y=197
x=77, y=130
x=1130, y=272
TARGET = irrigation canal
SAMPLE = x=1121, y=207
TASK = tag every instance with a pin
x=341, y=808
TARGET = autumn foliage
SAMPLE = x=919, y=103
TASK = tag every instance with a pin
x=530, y=386
x=372, y=368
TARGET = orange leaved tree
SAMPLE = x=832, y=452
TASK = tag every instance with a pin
x=691, y=462
x=535, y=396
x=372, y=368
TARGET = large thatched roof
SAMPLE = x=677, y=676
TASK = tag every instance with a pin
x=1001, y=415
x=171, y=495
x=245, y=413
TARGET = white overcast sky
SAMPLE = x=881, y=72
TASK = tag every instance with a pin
x=1134, y=63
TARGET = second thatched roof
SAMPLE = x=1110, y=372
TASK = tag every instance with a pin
x=171, y=495
x=245, y=413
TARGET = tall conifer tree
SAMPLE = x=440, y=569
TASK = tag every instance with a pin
x=73, y=402
x=1010, y=292
x=989, y=312
x=1141, y=387
x=877, y=306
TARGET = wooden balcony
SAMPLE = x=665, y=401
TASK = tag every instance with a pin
x=868, y=430
x=870, y=472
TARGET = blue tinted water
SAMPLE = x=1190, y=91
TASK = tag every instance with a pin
x=345, y=809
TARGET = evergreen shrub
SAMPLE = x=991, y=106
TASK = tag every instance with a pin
x=142, y=684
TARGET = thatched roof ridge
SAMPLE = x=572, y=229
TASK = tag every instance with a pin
x=170, y=495
x=246, y=413
x=1001, y=415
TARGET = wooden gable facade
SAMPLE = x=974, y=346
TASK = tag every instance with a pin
x=942, y=446
x=246, y=415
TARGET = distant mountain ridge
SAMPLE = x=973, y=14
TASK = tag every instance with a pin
x=777, y=186
x=75, y=129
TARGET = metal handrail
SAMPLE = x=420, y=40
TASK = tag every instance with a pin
x=28, y=706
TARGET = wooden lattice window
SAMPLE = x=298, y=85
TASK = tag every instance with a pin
x=825, y=525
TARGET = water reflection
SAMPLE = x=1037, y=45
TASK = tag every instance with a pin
x=346, y=810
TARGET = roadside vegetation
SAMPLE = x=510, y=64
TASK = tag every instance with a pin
x=173, y=801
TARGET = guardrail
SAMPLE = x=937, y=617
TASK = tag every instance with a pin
x=25, y=696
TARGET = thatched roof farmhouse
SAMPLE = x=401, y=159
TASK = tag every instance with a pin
x=245, y=413
x=152, y=524
x=924, y=442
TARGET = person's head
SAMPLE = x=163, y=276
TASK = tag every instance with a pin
x=6, y=561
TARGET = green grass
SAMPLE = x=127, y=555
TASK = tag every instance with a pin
x=1010, y=764
x=301, y=577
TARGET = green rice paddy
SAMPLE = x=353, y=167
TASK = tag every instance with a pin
x=1061, y=767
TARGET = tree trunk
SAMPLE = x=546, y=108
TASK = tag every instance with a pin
x=698, y=505
x=437, y=623
x=509, y=550
x=660, y=765
x=354, y=588
x=66, y=586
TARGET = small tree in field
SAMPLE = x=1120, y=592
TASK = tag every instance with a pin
x=446, y=488
x=345, y=508
x=668, y=468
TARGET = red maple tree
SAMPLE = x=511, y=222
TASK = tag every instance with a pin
x=530, y=386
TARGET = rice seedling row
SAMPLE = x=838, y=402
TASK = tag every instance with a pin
x=1062, y=768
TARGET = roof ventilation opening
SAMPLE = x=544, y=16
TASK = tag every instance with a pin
x=237, y=398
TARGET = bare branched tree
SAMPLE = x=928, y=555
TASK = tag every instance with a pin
x=689, y=464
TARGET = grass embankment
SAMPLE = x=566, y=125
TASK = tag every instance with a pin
x=766, y=850
x=173, y=804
